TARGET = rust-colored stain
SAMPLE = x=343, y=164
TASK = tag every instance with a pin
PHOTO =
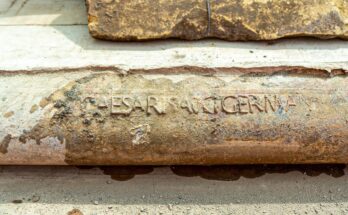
x=5, y=143
x=75, y=212
x=124, y=20
x=8, y=114
x=111, y=119
x=43, y=102
x=34, y=108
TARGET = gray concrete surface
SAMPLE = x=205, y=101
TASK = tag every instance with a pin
x=164, y=190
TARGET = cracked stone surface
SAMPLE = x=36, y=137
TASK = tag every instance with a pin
x=122, y=20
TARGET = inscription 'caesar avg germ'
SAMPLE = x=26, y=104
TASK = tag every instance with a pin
x=230, y=104
x=107, y=118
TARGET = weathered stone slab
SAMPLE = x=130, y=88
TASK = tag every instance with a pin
x=174, y=116
x=124, y=20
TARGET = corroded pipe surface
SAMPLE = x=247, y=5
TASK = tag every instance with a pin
x=126, y=20
x=181, y=116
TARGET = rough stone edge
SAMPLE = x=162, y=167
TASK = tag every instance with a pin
x=265, y=70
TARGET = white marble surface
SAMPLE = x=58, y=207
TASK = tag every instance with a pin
x=52, y=34
x=58, y=190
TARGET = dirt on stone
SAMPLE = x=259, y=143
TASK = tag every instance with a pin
x=75, y=212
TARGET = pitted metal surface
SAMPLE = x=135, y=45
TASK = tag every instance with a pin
x=193, y=116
